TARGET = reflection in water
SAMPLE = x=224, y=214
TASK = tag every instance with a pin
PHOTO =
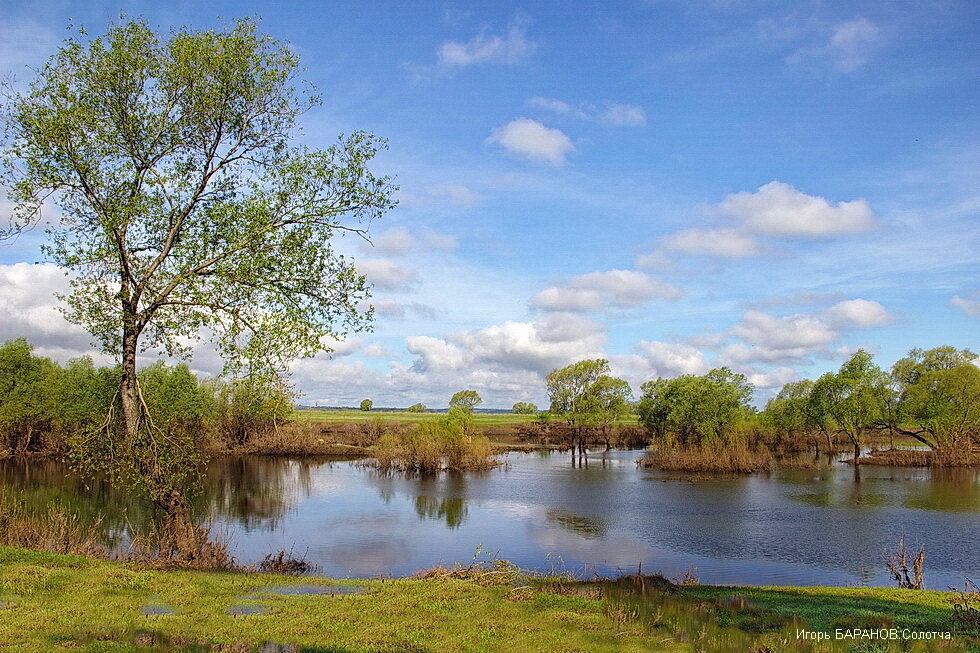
x=450, y=509
x=820, y=526
x=584, y=526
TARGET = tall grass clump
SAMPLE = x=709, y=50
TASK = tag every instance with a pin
x=435, y=445
x=730, y=457
x=51, y=528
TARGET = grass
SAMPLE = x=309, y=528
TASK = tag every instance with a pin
x=738, y=459
x=56, y=602
x=51, y=602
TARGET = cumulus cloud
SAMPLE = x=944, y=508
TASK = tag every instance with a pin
x=567, y=299
x=778, y=209
x=968, y=306
x=774, y=378
x=532, y=347
x=626, y=115
x=532, y=140
x=386, y=274
x=723, y=243
x=672, y=359
x=510, y=48
x=795, y=337
x=860, y=313
x=29, y=309
x=595, y=290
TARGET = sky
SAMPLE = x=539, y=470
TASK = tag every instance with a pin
x=671, y=185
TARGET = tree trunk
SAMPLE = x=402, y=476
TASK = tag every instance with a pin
x=128, y=390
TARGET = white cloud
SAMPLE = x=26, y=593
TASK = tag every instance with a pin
x=723, y=243
x=444, y=242
x=672, y=359
x=778, y=338
x=618, y=114
x=627, y=115
x=593, y=291
x=513, y=47
x=852, y=43
x=551, y=104
x=436, y=355
x=774, y=378
x=376, y=350
x=970, y=307
x=567, y=299
x=778, y=209
x=625, y=288
x=532, y=140
x=393, y=242
x=860, y=313
x=449, y=194
x=386, y=274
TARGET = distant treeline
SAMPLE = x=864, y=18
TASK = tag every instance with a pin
x=43, y=404
x=932, y=396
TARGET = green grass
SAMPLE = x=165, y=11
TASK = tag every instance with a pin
x=55, y=602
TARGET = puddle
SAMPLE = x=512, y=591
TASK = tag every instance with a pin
x=157, y=610
x=304, y=590
x=247, y=610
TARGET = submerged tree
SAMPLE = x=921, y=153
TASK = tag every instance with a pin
x=188, y=211
x=588, y=399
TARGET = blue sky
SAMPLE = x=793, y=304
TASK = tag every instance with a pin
x=671, y=185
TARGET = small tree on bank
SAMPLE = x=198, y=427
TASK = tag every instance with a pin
x=466, y=399
x=186, y=208
x=588, y=399
x=524, y=408
x=366, y=405
x=416, y=408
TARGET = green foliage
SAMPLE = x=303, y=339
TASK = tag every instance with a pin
x=590, y=400
x=366, y=405
x=703, y=409
x=787, y=413
x=173, y=164
x=945, y=403
x=25, y=399
x=188, y=207
x=240, y=408
x=524, y=408
x=854, y=398
x=467, y=399
x=446, y=443
x=416, y=408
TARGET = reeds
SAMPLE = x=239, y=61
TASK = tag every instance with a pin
x=433, y=446
x=50, y=529
x=724, y=458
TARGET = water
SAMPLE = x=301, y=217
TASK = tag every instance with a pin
x=826, y=527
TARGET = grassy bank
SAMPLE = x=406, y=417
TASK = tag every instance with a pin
x=57, y=602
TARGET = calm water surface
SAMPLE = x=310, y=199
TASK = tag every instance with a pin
x=541, y=512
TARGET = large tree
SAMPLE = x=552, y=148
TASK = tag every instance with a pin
x=186, y=207
x=588, y=399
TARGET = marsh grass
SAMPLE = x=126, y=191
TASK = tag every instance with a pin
x=943, y=457
x=734, y=457
x=51, y=528
x=434, y=446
